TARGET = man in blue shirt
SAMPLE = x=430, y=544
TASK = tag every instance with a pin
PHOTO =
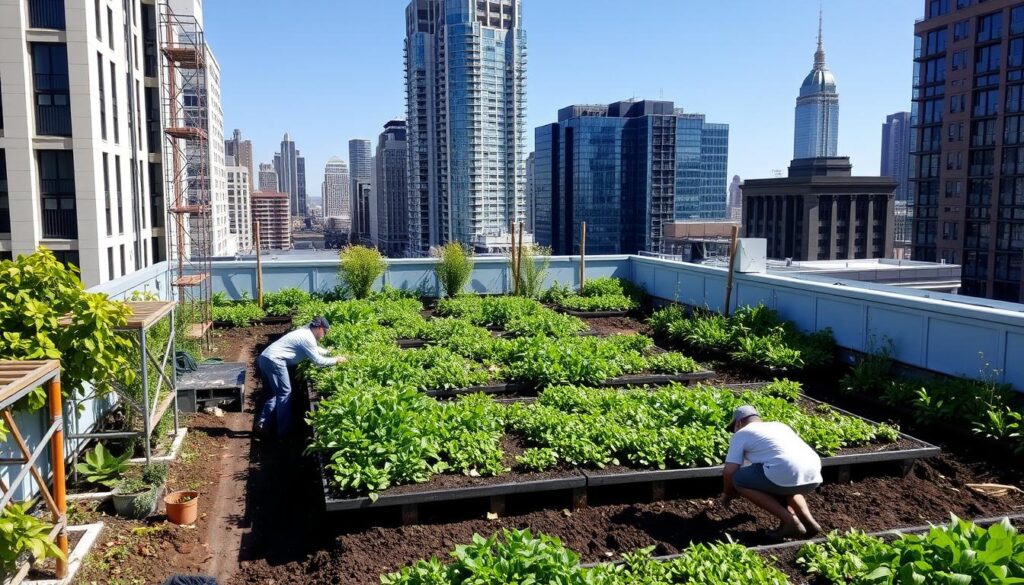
x=293, y=348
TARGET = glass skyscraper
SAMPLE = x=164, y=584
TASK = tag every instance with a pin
x=466, y=100
x=816, y=131
x=626, y=169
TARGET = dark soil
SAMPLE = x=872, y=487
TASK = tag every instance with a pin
x=616, y=325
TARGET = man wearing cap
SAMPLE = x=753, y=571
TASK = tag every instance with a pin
x=782, y=468
x=295, y=347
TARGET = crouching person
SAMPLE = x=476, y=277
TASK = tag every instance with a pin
x=782, y=469
x=295, y=347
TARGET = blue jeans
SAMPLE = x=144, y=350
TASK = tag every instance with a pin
x=278, y=407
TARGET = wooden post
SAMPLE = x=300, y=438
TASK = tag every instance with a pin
x=259, y=268
x=512, y=261
x=57, y=463
x=519, y=256
x=583, y=255
x=732, y=266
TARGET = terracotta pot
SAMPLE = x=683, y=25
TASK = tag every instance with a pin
x=182, y=507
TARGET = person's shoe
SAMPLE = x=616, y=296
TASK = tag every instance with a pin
x=260, y=433
x=786, y=530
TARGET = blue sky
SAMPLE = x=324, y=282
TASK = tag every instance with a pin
x=330, y=70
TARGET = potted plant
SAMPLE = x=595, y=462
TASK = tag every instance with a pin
x=182, y=507
x=135, y=494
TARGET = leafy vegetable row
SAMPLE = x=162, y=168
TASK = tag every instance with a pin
x=376, y=437
x=599, y=294
x=755, y=336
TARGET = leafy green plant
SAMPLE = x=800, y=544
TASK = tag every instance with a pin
x=547, y=323
x=285, y=302
x=556, y=293
x=46, y=313
x=239, y=314
x=672, y=363
x=533, y=269
x=454, y=267
x=662, y=319
x=599, y=303
x=541, y=459
x=359, y=268
x=101, y=467
x=840, y=559
x=21, y=532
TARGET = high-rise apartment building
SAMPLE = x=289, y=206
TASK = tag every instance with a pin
x=268, y=178
x=362, y=201
x=286, y=163
x=816, y=126
x=821, y=211
x=531, y=194
x=337, y=200
x=391, y=182
x=271, y=210
x=967, y=173
x=300, y=169
x=626, y=169
x=465, y=65
x=241, y=150
x=735, y=198
x=240, y=207
x=75, y=141
x=896, y=152
x=360, y=153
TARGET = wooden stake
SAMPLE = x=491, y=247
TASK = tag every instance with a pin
x=512, y=261
x=519, y=255
x=732, y=266
x=259, y=268
x=583, y=256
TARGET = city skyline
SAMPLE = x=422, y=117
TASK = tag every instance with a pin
x=874, y=82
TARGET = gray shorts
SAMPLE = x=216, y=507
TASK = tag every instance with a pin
x=752, y=477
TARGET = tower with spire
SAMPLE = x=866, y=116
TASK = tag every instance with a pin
x=816, y=132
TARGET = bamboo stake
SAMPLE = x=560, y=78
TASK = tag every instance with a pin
x=732, y=266
x=519, y=256
x=583, y=256
x=512, y=260
x=259, y=268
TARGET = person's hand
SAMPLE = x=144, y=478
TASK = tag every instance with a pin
x=726, y=500
x=341, y=359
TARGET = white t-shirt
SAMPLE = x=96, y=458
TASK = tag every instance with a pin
x=788, y=461
x=297, y=346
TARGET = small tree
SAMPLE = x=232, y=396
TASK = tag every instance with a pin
x=533, y=269
x=360, y=267
x=454, y=267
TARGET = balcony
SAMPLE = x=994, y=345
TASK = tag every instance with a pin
x=60, y=217
x=54, y=117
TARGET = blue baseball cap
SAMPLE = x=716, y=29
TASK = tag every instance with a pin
x=319, y=322
x=742, y=412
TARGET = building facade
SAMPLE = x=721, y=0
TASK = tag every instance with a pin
x=531, y=195
x=268, y=178
x=391, y=189
x=362, y=201
x=626, y=169
x=337, y=201
x=360, y=153
x=967, y=172
x=272, y=211
x=240, y=207
x=816, y=126
x=735, y=199
x=75, y=141
x=241, y=150
x=286, y=163
x=821, y=212
x=896, y=153
x=465, y=64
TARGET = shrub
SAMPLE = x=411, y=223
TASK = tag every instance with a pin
x=533, y=269
x=556, y=293
x=21, y=532
x=454, y=267
x=285, y=302
x=37, y=292
x=360, y=267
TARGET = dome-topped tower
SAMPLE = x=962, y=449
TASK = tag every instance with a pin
x=817, y=110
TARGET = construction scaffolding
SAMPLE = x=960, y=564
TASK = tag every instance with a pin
x=187, y=163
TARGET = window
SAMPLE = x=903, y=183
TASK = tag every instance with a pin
x=99, y=27
x=957, y=103
x=931, y=138
x=929, y=166
x=935, y=70
x=986, y=102
x=1014, y=101
x=120, y=196
x=936, y=42
x=961, y=30
x=963, y=4
x=1017, y=20
x=123, y=270
x=983, y=133
x=110, y=263
x=954, y=161
x=113, y=102
x=110, y=27
x=1013, y=130
x=937, y=8
x=982, y=162
x=103, y=96
x=1010, y=236
x=1013, y=160
x=1015, y=54
x=106, y=192
x=950, y=230
x=987, y=59
x=956, y=132
x=932, y=110
x=46, y=14
x=953, y=189
x=959, y=59
x=5, y=204
x=57, y=191
x=53, y=103
x=990, y=27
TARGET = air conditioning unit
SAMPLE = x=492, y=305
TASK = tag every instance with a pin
x=752, y=255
